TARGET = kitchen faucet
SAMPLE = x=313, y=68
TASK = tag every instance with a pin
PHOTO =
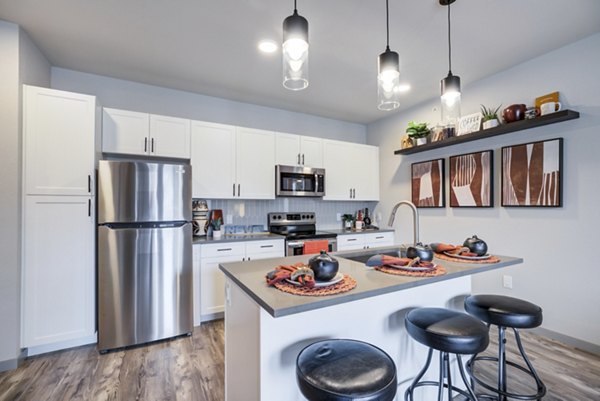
x=415, y=218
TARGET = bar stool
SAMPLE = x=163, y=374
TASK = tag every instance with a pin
x=505, y=312
x=345, y=370
x=449, y=332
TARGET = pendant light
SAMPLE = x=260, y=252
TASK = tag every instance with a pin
x=295, y=51
x=450, y=85
x=388, y=78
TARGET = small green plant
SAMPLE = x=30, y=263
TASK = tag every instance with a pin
x=488, y=114
x=216, y=224
x=347, y=217
x=417, y=130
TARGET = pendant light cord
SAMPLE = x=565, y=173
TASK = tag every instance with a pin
x=387, y=24
x=449, y=43
x=295, y=6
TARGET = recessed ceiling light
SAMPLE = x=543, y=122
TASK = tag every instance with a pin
x=267, y=46
x=403, y=88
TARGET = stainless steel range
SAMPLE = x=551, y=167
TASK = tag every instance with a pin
x=300, y=232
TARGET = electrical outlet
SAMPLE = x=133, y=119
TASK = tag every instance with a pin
x=507, y=281
x=338, y=217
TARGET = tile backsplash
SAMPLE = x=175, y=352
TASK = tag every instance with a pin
x=249, y=212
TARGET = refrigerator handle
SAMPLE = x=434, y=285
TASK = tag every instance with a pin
x=145, y=144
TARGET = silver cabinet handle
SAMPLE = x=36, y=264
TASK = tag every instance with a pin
x=350, y=193
x=351, y=239
x=234, y=189
x=89, y=183
x=145, y=145
x=223, y=249
x=152, y=146
x=298, y=158
x=238, y=189
x=379, y=237
x=89, y=208
x=303, y=159
x=266, y=246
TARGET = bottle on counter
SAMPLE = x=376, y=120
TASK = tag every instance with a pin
x=367, y=219
x=358, y=224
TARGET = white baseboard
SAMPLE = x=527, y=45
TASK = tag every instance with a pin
x=573, y=342
x=212, y=316
x=42, y=349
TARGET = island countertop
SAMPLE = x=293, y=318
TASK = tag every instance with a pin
x=250, y=277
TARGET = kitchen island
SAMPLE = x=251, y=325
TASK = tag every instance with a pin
x=265, y=328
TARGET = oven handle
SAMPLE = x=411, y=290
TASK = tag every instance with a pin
x=295, y=244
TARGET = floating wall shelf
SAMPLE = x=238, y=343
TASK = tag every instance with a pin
x=553, y=118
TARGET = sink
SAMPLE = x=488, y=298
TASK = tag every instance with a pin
x=363, y=256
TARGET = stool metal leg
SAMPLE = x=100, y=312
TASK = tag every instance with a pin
x=501, y=391
x=445, y=379
x=502, y=362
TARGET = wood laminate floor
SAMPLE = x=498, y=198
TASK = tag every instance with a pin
x=191, y=368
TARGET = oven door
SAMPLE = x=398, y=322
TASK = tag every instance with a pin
x=296, y=247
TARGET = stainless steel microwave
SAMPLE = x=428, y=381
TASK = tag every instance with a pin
x=299, y=181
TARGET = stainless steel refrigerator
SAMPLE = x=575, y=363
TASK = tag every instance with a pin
x=144, y=252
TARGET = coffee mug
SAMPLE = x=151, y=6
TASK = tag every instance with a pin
x=550, y=107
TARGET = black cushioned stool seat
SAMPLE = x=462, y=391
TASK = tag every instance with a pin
x=505, y=312
x=345, y=370
x=449, y=332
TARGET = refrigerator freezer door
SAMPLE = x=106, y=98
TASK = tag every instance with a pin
x=144, y=284
x=143, y=192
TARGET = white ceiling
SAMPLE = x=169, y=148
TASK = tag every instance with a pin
x=209, y=46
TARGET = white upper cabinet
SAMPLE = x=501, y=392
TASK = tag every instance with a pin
x=351, y=171
x=298, y=150
x=59, y=138
x=142, y=134
x=125, y=132
x=169, y=136
x=213, y=160
x=255, y=168
x=232, y=162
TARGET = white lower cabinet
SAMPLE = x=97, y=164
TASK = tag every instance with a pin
x=58, y=270
x=348, y=242
x=209, y=281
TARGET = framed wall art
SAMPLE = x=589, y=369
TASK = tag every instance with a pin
x=471, y=180
x=532, y=174
x=427, y=183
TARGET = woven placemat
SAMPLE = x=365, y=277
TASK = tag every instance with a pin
x=491, y=259
x=345, y=285
x=438, y=271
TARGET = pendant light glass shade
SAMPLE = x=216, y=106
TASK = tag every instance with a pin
x=450, y=86
x=388, y=80
x=295, y=52
x=388, y=76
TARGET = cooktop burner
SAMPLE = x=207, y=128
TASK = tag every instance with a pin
x=296, y=226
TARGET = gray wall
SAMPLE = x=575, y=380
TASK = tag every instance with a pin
x=562, y=282
x=20, y=62
x=135, y=96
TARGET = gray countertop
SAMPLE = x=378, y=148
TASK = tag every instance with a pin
x=237, y=238
x=341, y=231
x=250, y=277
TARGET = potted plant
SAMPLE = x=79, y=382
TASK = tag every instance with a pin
x=490, y=117
x=347, y=219
x=418, y=132
x=216, y=228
